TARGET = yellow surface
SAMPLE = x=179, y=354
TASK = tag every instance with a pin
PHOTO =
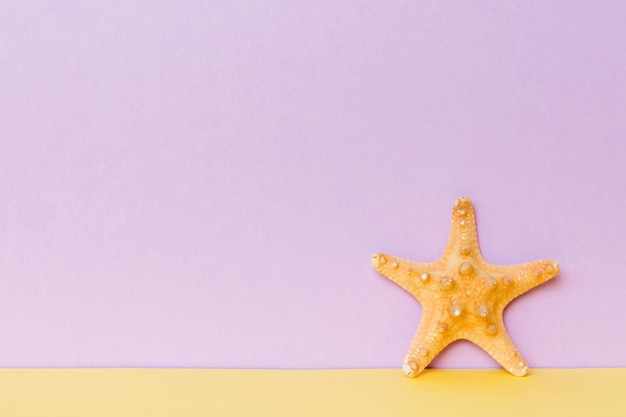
x=363, y=392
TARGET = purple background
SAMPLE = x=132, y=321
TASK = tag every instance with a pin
x=202, y=185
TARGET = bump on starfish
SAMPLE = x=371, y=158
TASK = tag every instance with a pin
x=463, y=296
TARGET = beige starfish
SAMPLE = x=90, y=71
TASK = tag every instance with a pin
x=463, y=296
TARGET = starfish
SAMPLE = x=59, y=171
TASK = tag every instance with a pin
x=463, y=296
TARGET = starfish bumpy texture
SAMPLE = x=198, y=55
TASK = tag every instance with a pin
x=463, y=296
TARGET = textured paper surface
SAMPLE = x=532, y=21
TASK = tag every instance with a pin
x=379, y=392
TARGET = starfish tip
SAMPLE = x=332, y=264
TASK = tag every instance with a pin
x=462, y=201
x=378, y=260
x=521, y=371
x=410, y=369
x=462, y=207
x=551, y=269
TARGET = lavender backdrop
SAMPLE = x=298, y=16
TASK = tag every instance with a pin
x=202, y=183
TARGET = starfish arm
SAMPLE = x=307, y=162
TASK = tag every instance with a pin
x=463, y=226
x=431, y=338
x=412, y=276
x=502, y=349
x=517, y=279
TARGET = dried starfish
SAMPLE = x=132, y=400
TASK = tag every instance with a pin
x=463, y=296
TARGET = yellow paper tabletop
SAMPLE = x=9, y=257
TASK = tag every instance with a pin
x=361, y=392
